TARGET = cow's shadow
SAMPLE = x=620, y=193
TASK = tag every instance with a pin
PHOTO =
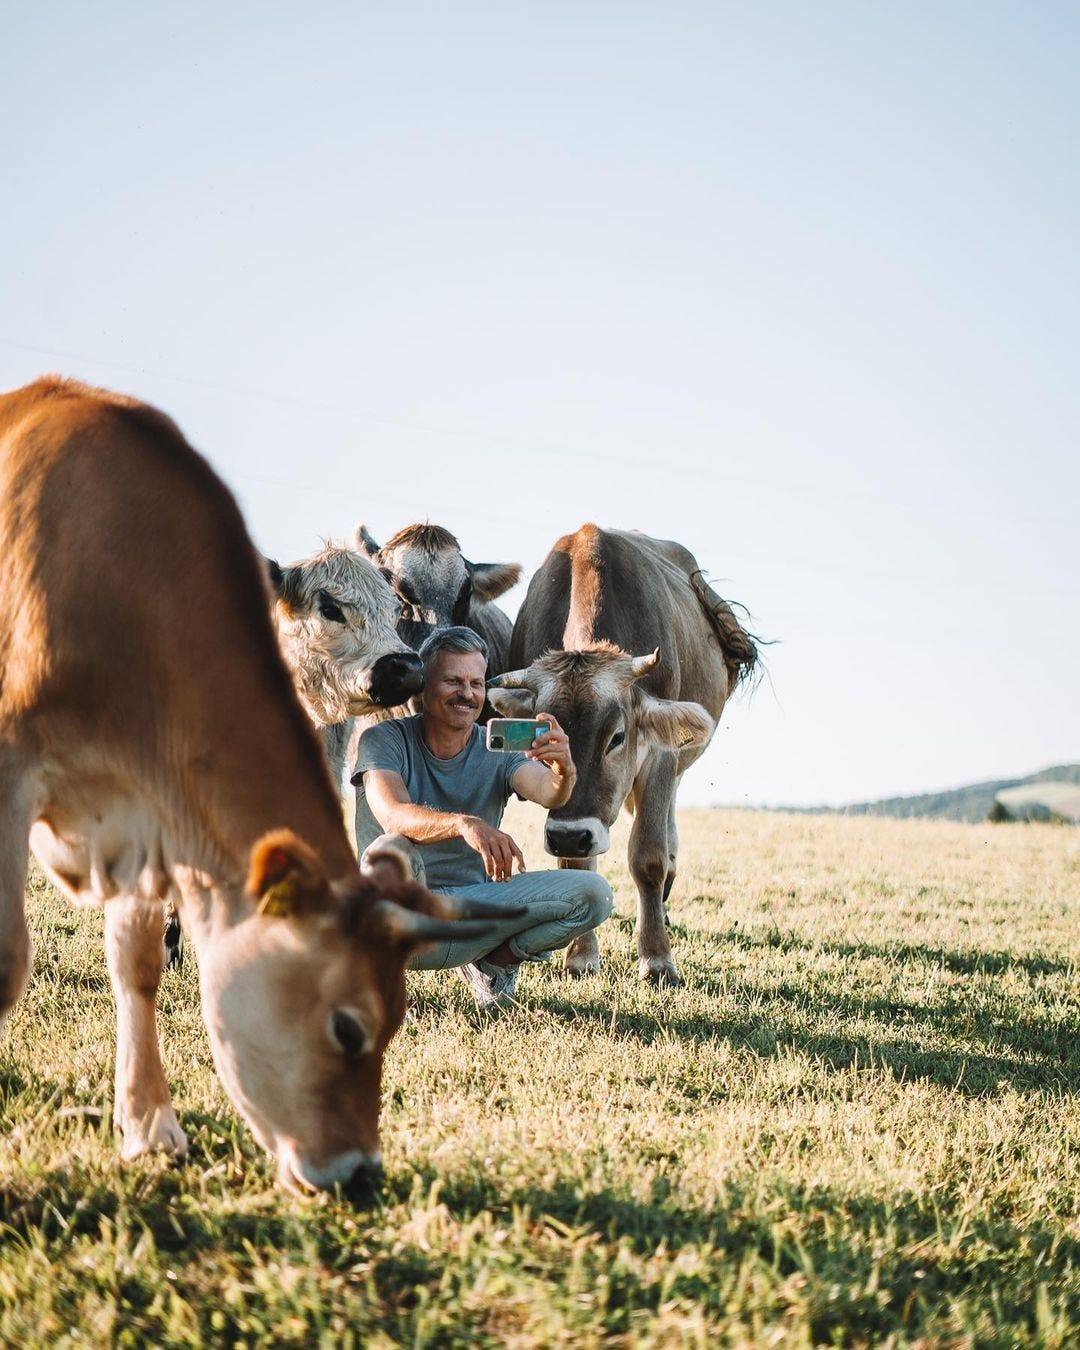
x=1029, y=1053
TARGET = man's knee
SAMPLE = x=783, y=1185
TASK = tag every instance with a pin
x=404, y=846
x=594, y=895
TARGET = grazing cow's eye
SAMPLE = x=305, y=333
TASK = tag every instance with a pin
x=330, y=609
x=616, y=741
x=347, y=1032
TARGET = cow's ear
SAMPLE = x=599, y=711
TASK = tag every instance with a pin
x=276, y=575
x=286, y=878
x=365, y=543
x=512, y=702
x=490, y=580
x=284, y=583
x=678, y=726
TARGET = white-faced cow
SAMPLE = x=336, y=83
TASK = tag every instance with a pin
x=152, y=748
x=622, y=639
x=336, y=615
x=437, y=587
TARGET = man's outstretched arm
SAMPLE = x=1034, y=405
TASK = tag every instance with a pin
x=397, y=813
x=549, y=778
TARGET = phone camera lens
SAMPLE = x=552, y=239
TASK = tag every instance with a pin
x=496, y=742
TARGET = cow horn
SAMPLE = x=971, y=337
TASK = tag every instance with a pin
x=511, y=679
x=398, y=924
x=641, y=665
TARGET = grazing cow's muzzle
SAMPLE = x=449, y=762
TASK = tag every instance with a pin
x=358, y=1175
x=395, y=678
x=585, y=837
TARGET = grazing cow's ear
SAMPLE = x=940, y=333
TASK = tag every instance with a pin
x=512, y=702
x=365, y=543
x=490, y=580
x=675, y=725
x=286, y=877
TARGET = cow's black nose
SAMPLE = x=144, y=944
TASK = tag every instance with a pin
x=569, y=841
x=395, y=678
x=363, y=1187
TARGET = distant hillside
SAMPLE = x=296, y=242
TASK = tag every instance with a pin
x=966, y=803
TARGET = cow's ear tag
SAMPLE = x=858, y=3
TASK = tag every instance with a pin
x=285, y=877
x=281, y=899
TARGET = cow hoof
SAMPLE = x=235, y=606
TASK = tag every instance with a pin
x=161, y=1133
x=581, y=967
x=659, y=970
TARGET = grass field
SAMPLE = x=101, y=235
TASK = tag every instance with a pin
x=857, y=1123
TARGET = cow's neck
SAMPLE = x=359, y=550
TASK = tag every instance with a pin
x=266, y=772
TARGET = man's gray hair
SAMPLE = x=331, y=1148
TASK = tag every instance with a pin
x=462, y=640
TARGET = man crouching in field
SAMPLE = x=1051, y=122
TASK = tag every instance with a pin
x=429, y=785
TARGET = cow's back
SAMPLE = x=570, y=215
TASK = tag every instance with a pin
x=639, y=593
x=134, y=619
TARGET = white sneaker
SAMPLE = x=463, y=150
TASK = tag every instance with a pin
x=490, y=984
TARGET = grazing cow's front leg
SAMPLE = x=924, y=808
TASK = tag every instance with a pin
x=14, y=936
x=142, y=1107
x=583, y=954
x=652, y=865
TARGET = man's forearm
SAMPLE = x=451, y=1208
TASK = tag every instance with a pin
x=421, y=824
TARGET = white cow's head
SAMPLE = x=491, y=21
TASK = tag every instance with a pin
x=434, y=582
x=302, y=991
x=335, y=617
x=612, y=722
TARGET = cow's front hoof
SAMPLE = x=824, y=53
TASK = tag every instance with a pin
x=158, y=1133
x=659, y=970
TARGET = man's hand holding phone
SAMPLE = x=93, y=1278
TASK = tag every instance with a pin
x=496, y=847
x=552, y=747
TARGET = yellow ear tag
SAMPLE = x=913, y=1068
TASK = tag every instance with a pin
x=281, y=899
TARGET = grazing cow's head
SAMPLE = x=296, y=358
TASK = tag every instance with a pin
x=302, y=995
x=435, y=585
x=612, y=723
x=335, y=617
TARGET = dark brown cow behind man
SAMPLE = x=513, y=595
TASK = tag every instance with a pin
x=623, y=640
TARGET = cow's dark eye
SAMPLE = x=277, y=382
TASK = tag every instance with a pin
x=347, y=1032
x=330, y=609
x=616, y=741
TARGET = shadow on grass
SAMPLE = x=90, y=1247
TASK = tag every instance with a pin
x=957, y=961
x=828, y=1236
x=773, y=1035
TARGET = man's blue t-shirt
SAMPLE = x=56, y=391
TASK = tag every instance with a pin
x=476, y=781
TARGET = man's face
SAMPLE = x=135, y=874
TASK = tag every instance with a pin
x=454, y=688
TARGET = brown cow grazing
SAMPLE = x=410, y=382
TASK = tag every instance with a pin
x=437, y=587
x=152, y=748
x=622, y=639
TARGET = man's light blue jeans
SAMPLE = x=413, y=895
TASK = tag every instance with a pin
x=562, y=905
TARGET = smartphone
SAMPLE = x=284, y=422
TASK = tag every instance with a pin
x=513, y=733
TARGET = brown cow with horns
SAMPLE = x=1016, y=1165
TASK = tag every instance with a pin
x=152, y=748
x=623, y=640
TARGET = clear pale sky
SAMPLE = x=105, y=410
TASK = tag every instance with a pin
x=795, y=284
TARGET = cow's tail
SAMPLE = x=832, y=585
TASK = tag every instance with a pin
x=739, y=647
